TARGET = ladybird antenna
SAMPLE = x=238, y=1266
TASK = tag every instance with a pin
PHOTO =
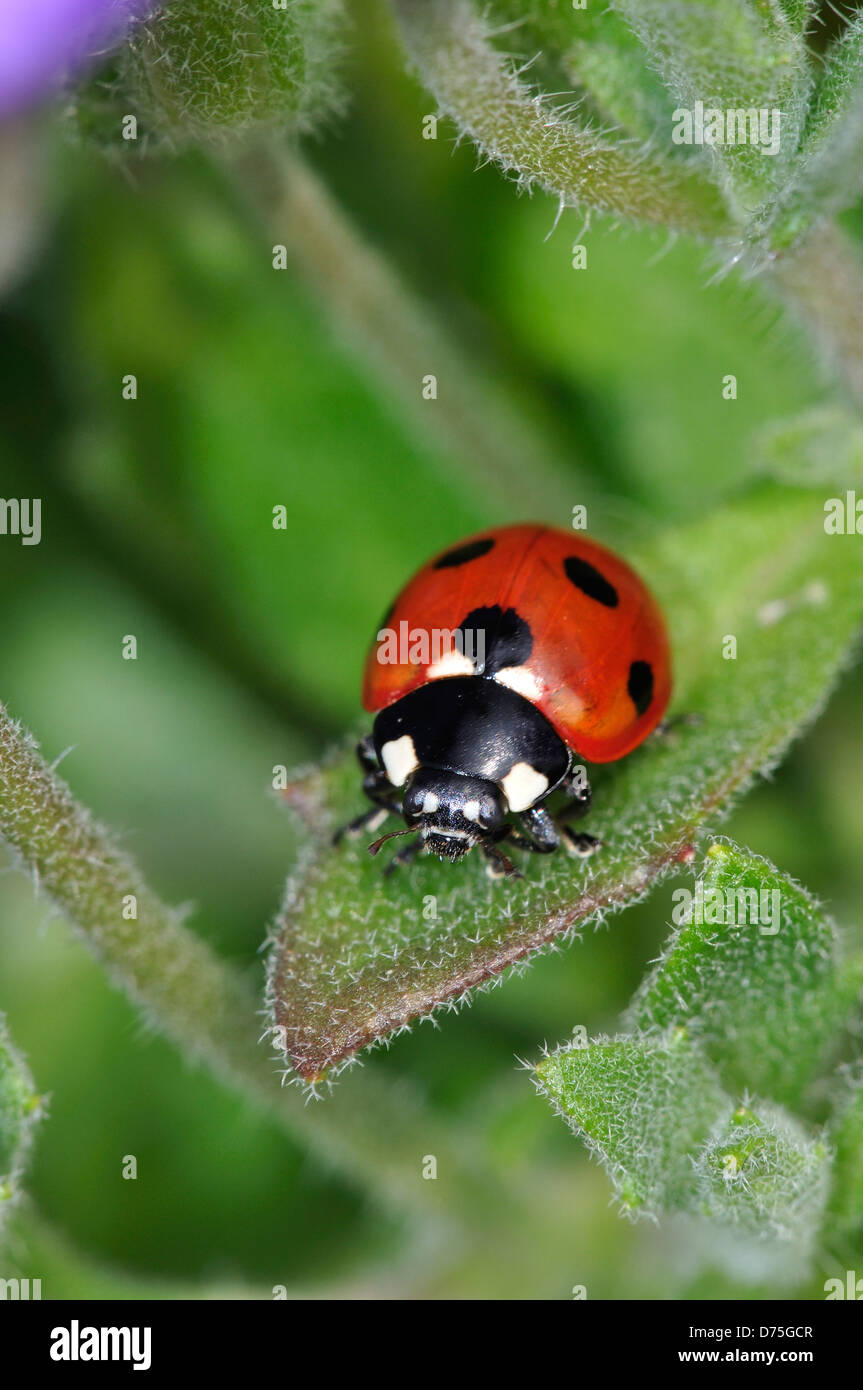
x=391, y=835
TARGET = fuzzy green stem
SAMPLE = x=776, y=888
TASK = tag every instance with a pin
x=369, y=1130
x=33, y=1242
x=473, y=84
x=822, y=283
x=397, y=339
x=20, y=1106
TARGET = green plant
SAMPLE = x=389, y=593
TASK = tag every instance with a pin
x=731, y=1098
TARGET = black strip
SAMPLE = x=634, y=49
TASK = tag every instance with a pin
x=583, y=575
x=640, y=685
x=498, y=638
x=462, y=553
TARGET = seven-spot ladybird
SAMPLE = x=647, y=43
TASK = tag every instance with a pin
x=505, y=660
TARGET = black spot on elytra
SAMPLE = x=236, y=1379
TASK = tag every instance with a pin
x=589, y=580
x=640, y=685
x=495, y=638
x=462, y=553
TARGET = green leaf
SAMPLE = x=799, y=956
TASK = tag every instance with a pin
x=535, y=141
x=754, y=976
x=591, y=49
x=358, y=956
x=202, y=69
x=846, y=1136
x=652, y=1110
x=828, y=172
x=731, y=55
x=20, y=1107
x=820, y=448
x=762, y=1173
x=799, y=13
x=622, y=87
x=644, y=1106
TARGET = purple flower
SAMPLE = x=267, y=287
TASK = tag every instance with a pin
x=43, y=41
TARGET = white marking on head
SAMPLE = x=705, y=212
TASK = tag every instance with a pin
x=452, y=663
x=400, y=759
x=521, y=680
x=470, y=810
x=431, y=801
x=451, y=834
x=523, y=785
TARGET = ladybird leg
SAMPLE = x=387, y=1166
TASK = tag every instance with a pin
x=542, y=829
x=497, y=865
x=669, y=727
x=376, y=785
x=573, y=810
x=380, y=791
x=576, y=787
x=542, y=836
x=581, y=845
x=366, y=756
x=370, y=820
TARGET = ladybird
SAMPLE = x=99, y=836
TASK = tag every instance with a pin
x=503, y=663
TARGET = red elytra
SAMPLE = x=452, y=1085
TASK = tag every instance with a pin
x=599, y=668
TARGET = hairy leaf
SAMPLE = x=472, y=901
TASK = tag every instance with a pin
x=799, y=13
x=653, y=1112
x=828, y=172
x=644, y=1106
x=763, y=1173
x=753, y=975
x=731, y=55
x=357, y=955
x=763, y=1184
x=592, y=50
x=205, y=68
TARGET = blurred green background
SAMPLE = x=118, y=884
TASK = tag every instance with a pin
x=157, y=522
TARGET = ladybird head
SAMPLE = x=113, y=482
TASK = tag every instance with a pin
x=452, y=812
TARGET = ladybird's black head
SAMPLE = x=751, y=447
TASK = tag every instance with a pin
x=452, y=812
